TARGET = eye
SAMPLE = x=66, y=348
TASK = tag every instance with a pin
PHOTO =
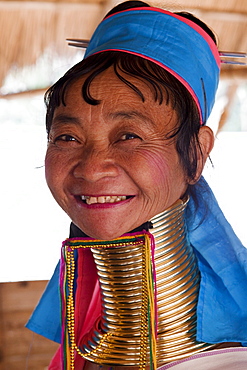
x=65, y=141
x=65, y=138
x=129, y=136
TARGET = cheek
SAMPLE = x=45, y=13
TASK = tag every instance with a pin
x=153, y=167
x=54, y=170
x=160, y=173
x=49, y=166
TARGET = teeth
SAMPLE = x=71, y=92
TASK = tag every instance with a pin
x=103, y=199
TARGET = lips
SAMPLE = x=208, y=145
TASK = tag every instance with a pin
x=102, y=199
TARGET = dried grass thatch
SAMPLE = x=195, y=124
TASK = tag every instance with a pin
x=29, y=28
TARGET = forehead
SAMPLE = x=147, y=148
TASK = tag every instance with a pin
x=105, y=83
x=113, y=95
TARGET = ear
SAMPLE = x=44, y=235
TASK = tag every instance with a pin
x=206, y=142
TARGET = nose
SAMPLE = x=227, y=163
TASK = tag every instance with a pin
x=95, y=164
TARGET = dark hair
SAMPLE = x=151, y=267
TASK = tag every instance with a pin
x=163, y=84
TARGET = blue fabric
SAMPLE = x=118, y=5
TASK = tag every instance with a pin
x=45, y=319
x=173, y=42
x=222, y=305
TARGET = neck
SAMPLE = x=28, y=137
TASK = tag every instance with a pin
x=121, y=336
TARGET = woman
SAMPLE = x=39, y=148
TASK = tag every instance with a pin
x=148, y=277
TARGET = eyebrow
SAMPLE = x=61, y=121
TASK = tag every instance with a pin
x=128, y=114
x=65, y=119
x=132, y=114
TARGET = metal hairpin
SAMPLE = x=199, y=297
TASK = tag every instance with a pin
x=78, y=43
x=233, y=58
x=226, y=57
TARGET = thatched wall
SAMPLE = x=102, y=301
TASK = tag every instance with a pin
x=27, y=29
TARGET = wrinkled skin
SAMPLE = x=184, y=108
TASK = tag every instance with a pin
x=118, y=147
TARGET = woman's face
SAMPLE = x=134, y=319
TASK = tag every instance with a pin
x=110, y=166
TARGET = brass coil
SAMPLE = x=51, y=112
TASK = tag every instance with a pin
x=117, y=340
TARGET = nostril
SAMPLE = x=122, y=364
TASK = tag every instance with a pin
x=95, y=170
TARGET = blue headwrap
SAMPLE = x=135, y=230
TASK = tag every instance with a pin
x=175, y=43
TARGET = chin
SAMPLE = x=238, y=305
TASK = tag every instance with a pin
x=102, y=228
x=102, y=233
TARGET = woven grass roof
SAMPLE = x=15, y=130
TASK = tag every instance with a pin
x=28, y=28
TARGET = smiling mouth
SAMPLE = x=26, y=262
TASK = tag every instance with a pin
x=104, y=199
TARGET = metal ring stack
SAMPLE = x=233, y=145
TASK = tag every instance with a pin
x=120, y=337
